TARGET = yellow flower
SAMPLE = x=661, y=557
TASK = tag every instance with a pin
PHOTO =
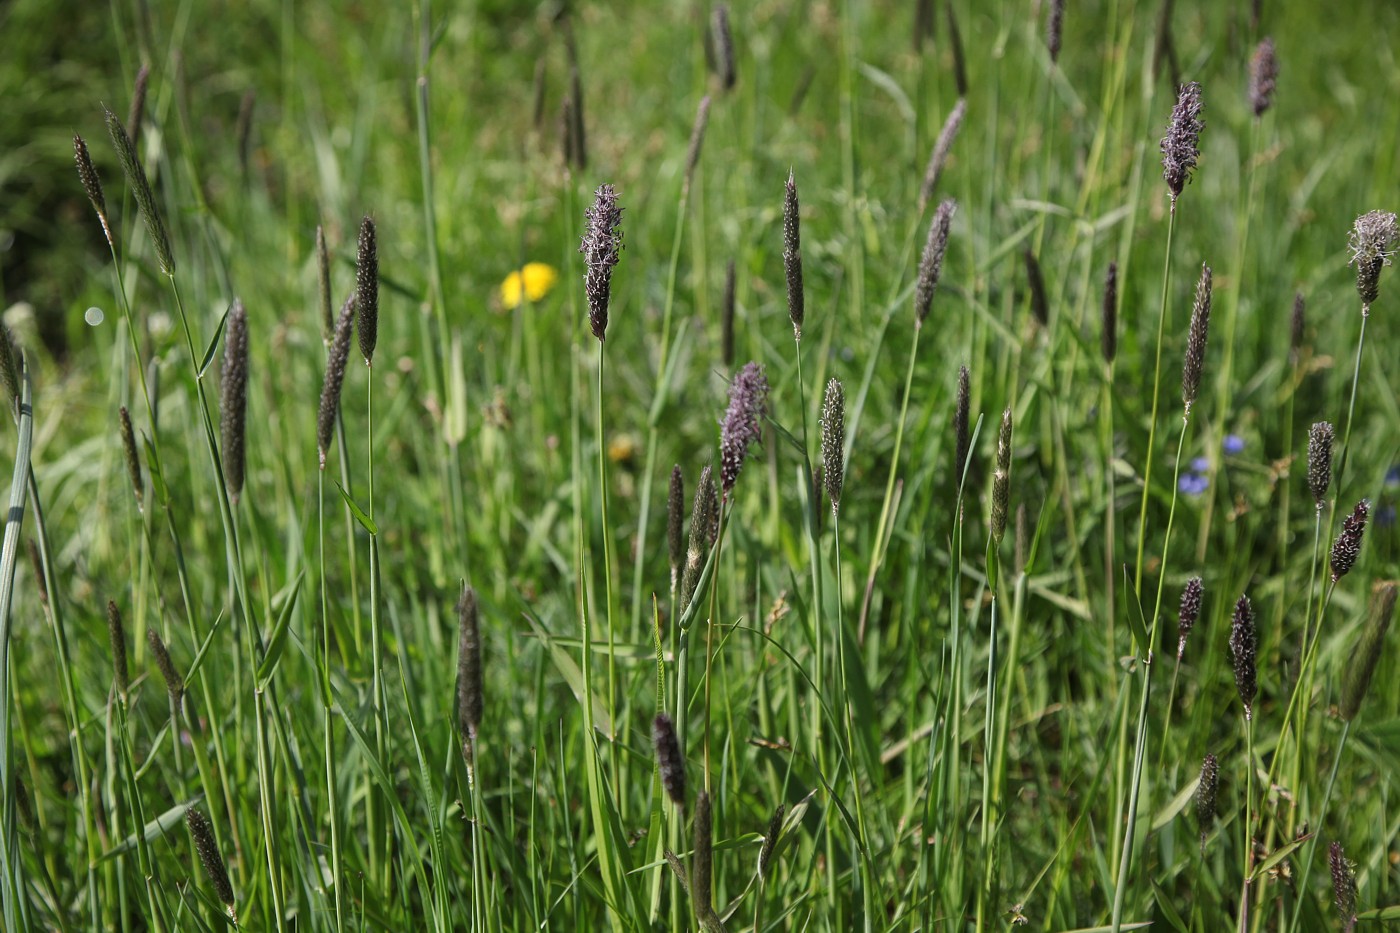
x=532, y=282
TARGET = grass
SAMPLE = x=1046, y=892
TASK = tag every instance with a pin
x=951, y=740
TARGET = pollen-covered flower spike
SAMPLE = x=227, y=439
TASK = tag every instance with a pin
x=1375, y=237
x=1180, y=147
x=1244, y=649
x=601, y=248
x=1347, y=547
x=1190, y=612
x=742, y=425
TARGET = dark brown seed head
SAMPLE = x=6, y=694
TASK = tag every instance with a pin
x=1367, y=653
x=959, y=61
x=601, y=247
x=1195, y=361
x=1054, y=30
x=1110, y=313
x=174, y=683
x=961, y=410
x=1375, y=237
x=770, y=840
x=92, y=185
x=792, y=255
x=36, y=563
x=336, y=359
x=141, y=191
x=833, y=441
x=675, y=517
x=1347, y=547
x=724, y=47
x=1244, y=648
x=469, y=693
x=941, y=148
x=233, y=399
x=703, y=858
x=208, y=848
x=1180, y=146
x=1001, y=479
x=117, y=633
x=668, y=758
x=323, y=280
x=133, y=460
x=726, y=323
x=138, y=104
x=367, y=289
x=1263, y=74
x=1320, y=437
x=743, y=422
x=1295, y=329
x=1206, y=795
x=697, y=139
x=1039, y=307
x=1343, y=884
x=704, y=528
x=1190, y=612
x=931, y=262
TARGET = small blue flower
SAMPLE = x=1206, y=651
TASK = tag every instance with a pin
x=1392, y=477
x=1193, y=484
x=1200, y=465
x=1233, y=444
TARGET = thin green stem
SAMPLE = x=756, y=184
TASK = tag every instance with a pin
x=1156, y=387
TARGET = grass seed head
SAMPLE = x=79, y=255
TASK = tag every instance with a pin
x=1244, y=647
x=702, y=862
x=10, y=357
x=92, y=185
x=1110, y=313
x=233, y=399
x=959, y=59
x=1320, y=437
x=367, y=288
x=1296, y=324
x=931, y=262
x=1361, y=665
x=1190, y=613
x=1206, y=796
x=697, y=139
x=174, y=683
x=1180, y=147
x=469, y=692
x=669, y=762
x=1343, y=884
x=1054, y=29
x=726, y=322
x=1375, y=237
x=724, y=47
x=743, y=422
x=1195, y=361
x=141, y=191
x=323, y=281
x=1001, y=479
x=208, y=849
x=138, y=104
x=1039, y=307
x=1347, y=547
x=792, y=255
x=704, y=528
x=833, y=441
x=961, y=411
x=770, y=841
x=117, y=633
x=133, y=460
x=601, y=248
x=675, y=517
x=336, y=359
x=1263, y=75
x=941, y=148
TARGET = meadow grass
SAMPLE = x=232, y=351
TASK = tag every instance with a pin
x=405, y=656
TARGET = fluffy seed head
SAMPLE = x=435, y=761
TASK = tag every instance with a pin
x=1180, y=147
x=1295, y=328
x=668, y=758
x=792, y=255
x=1374, y=239
x=1320, y=437
x=208, y=848
x=743, y=422
x=92, y=185
x=336, y=359
x=1367, y=653
x=961, y=410
x=141, y=192
x=1039, y=307
x=833, y=440
x=697, y=139
x=941, y=148
x=469, y=693
x=1206, y=795
x=1001, y=479
x=724, y=47
x=1263, y=74
x=1343, y=884
x=1347, y=547
x=1190, y=612
x=601, y=247
x=133, y=461
x=233, y=399
x=367, y=288
x=675, y=516
x=726, y=322
x=117, y=633
x=1110, y=313
x=174, y=683
x=1054, y=30
x=931, y=263
x=1196, y=341
x=1244, y=647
